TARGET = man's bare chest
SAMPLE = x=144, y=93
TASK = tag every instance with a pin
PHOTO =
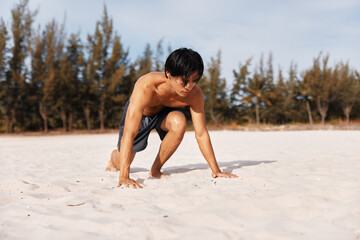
x=160, y=103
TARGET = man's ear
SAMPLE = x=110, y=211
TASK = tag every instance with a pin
x=167, y=74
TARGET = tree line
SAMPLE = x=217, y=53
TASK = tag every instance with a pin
x=49, y=80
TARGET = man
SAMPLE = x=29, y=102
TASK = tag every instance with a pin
x=155, y=103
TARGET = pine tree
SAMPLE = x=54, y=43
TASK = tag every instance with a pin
x=116, y=67
x=321, y=84
x=214, y=88
x=258, y=88
x=50, y=96
x=277, y=112
x=104, y=71
x=159, y=63
x=15, y=83
x=237, y=91
x=239, y=84
x=348, y=89
x=145, y=63
x=304, y=92
x=69, y=85
x=87, y=92
x=37, y=73
x=3, y=65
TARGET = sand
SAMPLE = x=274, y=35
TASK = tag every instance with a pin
x=291, y=185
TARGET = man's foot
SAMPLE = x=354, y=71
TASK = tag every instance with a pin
x=112, y=162
x=157, y=174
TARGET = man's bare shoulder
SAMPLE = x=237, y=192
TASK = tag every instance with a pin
x=146, y=87
x=150, y=79
x=196, y=95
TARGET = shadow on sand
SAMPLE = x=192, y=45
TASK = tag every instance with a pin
x=225, y=166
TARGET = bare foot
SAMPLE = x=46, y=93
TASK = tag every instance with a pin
x=112, y=162
x=157, y=174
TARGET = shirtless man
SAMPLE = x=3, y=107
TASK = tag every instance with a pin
x=155, y=103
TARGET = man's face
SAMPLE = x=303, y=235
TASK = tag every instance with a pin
x=180, y=87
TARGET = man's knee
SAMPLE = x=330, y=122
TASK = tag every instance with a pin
x=176, y=123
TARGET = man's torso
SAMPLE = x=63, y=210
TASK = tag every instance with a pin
x=162, y=96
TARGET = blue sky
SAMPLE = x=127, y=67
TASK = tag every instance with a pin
x=292, y=30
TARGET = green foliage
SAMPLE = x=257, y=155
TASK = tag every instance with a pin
x=105, y=70
x=258, y=89
x=214, y=88
x=3, y=61
x=15, y=98
x=71, y=84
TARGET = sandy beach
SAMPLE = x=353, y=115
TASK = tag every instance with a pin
x=291, y=185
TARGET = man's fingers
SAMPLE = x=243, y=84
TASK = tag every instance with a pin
x=225, y=175
x=230, y=175
x=129, y=184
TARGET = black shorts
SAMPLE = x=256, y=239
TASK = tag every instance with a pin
x=147, y=124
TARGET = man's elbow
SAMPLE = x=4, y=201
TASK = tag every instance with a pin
x=128, y=136
x=200, y=135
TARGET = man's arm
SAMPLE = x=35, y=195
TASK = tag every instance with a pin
x=138, y=101
x=202, y=135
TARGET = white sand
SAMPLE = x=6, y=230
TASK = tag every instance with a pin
x=291, y=185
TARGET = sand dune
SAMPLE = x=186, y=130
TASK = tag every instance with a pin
x=291, y=185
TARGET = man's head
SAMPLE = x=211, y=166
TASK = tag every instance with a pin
x=183, y=63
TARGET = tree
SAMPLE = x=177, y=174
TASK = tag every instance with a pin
x=304, y=93
x=15, y=84
x=159, y=63
x=214, y=88
x=3, y=63
x=348, y=88
x=104, y=71
x=321, y=84
x=144, y=63
x=237, y=91
x=69, y=85
x=292, y=108
x=38, y=70
x=258, y=88
x=240, y=81
x=277, y=113
x=50, y=94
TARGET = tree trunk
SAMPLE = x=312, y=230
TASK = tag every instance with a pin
x=257, y=112
x=347, y=111
x=101, y=115
x=87, y=116
x=63, y=118
x=70, y=120
x=309, y=112
x=7, y=119
x=43, y=113
x=322, y=108
x=12, y=119
x=212, y=116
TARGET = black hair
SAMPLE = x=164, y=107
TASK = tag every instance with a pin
x=183, y=62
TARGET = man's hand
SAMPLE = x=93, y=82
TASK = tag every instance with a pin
x=128, y=182
x=225, y=175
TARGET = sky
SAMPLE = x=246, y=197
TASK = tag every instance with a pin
x=292, y=30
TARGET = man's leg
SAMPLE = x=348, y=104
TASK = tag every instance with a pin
x=114, y=163
x=175, y=124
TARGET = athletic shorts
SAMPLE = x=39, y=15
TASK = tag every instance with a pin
x=147, y=124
